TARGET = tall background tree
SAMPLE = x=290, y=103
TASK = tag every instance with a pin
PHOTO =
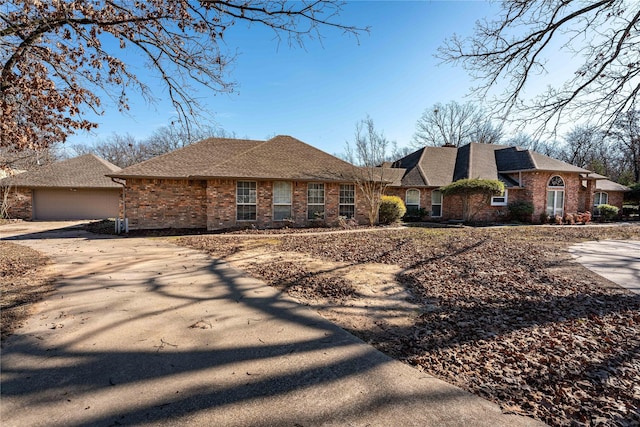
x=367, y=153
x=61, y=58
x=510, y=52
x=626, y=133
x=126, y=150
x=455, y=124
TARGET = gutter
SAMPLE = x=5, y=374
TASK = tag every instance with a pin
x=123, y=183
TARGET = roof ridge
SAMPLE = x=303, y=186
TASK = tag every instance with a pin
x=533, y=159
x=470, y=160
x=420, y=170
x=312, y=147
x=241, y=153
x=108, y=164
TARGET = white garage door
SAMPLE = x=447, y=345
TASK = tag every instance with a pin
x=54, y=204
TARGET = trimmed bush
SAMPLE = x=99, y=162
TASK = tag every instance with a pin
x=608, y=212
x=391, y=209
x=521, y=211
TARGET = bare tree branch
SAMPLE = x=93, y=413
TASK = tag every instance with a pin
x=57, y=59
x=514, y=50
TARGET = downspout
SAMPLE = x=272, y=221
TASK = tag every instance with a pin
x=124, y=206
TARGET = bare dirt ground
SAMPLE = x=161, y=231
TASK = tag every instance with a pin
x=502, y=312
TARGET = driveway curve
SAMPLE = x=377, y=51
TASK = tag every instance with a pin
x=144, y=332
x=615, y=260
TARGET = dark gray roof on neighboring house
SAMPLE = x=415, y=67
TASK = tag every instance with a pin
x=86, y=171
x=281, y=157
x=438, y=166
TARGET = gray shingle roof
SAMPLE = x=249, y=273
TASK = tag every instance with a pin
x=438, y=166
x=608, y=185
x=86, y=171
x=282, y=157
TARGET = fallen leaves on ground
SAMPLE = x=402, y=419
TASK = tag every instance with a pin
x=506, y=313
x=24, y=282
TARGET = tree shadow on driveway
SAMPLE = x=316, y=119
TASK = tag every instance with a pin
x=141, y=332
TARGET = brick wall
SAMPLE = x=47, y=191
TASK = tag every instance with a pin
x=535, y=191
x=220, y=204
x=19, y=202
x=616, y=198
x=212, y=204
x=166, y=203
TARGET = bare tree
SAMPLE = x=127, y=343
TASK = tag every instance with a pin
x=57, y=57
x=368, y=153
x=126, y=150
x=27, y=159
x=626, y=132
x=586, y=147
x=525, y=140
x=169, y=138
x=602, y=35
x=121, y=150
x=455, y=124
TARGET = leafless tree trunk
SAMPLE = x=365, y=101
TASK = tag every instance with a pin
x=368, y=154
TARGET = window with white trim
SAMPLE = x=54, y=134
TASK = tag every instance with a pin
x=246, y=196
x=600, y=198
x=347, y=205
x=412, y=200
x=436, y=203
x=501, y=200
x=281, y=200
x=555, y=196
x=315, y=201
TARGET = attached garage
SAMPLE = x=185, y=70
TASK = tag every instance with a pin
x=71, y=189
x=63, y=204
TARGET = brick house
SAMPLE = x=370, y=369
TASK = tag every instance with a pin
x=69, y=189
x=552, y=186
x=223, y=183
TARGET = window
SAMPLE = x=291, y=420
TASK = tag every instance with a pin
x=315, y=201
x=281, y=201
x=501, y=200
x=246, y=201
x=412, y=200
x=600, y=198
x=555, y=196
x=347, y=206
x=436, y=203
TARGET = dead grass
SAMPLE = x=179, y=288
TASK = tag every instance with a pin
x=505, y=313
x=25, y=280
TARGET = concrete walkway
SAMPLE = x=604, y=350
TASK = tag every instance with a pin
x=144, y=332
x=616, y=260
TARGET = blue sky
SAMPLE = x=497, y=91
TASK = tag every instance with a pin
x=319, y=93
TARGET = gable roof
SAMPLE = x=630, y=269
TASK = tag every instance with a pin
x=439, y=166
x=87, y=171
x=281, y=157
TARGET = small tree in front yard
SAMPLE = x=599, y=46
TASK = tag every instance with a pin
x=470, y=189
x=367, y=155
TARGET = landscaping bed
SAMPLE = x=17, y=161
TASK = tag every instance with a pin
x=505, y=313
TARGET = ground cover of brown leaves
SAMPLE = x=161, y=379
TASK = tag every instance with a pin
x=504, y=312
x=24, y=280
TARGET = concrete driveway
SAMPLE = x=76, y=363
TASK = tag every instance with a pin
x=616, y=260
x=144, y=332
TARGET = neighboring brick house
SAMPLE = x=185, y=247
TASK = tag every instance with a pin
x=224, y=183
x=552, y=186
x=70, y=189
